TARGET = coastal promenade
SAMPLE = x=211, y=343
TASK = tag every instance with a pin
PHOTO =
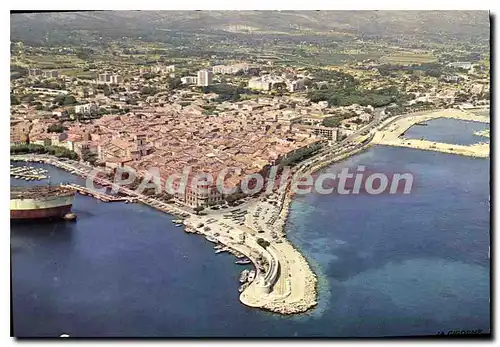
x=392, y=130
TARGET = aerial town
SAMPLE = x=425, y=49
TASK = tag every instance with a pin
x=237, y=114
x=128, y=103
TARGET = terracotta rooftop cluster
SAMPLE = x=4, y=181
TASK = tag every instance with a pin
x=175, y=139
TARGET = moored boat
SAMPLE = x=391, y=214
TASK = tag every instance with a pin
x=243, y=261
x=211, y=239
x=244, y=276
x=220, y=250
x=251, y=276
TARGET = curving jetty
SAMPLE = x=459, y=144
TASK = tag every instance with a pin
x=485, y=133
x=480, y=150
x=283, y=281
x=391, y=131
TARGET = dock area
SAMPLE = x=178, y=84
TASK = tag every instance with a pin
x=28, y=173
x=83, y=170
x=93, y=193
x=283, y=281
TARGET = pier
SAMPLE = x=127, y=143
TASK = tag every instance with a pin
x=100, y=196
x=84, y=171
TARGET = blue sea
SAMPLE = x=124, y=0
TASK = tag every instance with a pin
x=388, y=265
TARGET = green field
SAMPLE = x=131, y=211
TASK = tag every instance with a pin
x=77, y=73
x=53, y=61
x=408, y=58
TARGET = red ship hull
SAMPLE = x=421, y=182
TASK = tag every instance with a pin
x=43, y=213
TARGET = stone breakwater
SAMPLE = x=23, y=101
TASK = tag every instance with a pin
x=303, y=295
x=479, y=150
x=394, y=128
x=309, y=296
x=485, y=133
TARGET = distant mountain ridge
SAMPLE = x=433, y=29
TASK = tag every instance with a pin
x=36, y=26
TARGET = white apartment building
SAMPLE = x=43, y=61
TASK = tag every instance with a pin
x=189, y=80
x=109, y=78
x=331, y=134
x=50, y=73
x=229, y=69
x=86, y=109
x=161, y=69
x=35, y=72
x=294, y=86
x=462, y=65
x=264, y=82
x=47, y=91
x=204, y=78
x=268, y=82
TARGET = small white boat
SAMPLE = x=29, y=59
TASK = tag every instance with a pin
x=220, y=250
x=243, y=261
x=251, y=276
x=244, y=276
x=211, y=239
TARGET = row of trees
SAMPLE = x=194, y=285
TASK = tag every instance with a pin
x=334, y=78
x=64, y=100
x=14, y=100
x=48, y=85
x=418, y=106
x=363, y=97
x=55, y=128
x=227, y=92
x=148, y=90
x=89, y=157
x=60, y=152
x=429, y=69
x=333, y=121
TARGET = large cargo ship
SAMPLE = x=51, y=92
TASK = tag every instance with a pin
x=40, y=202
